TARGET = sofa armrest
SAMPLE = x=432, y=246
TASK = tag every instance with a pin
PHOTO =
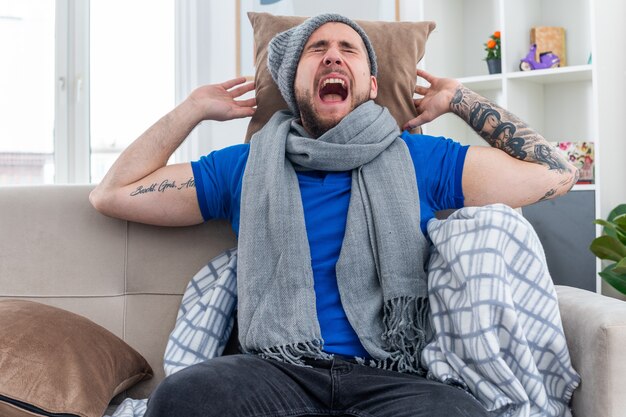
x=595, y=329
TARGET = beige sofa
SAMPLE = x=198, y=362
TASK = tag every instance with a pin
x=56, y=249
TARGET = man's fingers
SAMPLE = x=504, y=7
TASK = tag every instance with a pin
x=231, y=83
x=251, y=102
x=413, y=123
x=425, y=75
x=241, y=112
x=241, y=90
x=421, y=90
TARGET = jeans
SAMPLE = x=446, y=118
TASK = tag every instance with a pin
x=247, y=385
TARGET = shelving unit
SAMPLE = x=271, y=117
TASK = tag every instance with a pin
x=560, y=103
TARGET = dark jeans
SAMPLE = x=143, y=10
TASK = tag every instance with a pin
x=246, y=385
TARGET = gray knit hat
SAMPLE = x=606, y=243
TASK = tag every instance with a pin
x=285, y=49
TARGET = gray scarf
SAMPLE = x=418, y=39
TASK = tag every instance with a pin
x=380, y=271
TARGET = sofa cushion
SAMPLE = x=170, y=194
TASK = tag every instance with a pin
x=399, y=46
x=53, y=361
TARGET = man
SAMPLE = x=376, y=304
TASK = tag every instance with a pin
x=330, y=205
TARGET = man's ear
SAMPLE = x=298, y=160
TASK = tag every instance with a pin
x=373, y=87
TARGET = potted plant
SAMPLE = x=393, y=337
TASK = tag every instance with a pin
x=611, y=246
x=494, y=58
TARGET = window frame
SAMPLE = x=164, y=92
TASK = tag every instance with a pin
x=71, y=114
x=72, y=130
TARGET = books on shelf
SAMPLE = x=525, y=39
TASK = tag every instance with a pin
x=581, y=155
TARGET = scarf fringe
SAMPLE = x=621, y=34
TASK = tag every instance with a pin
x=407, y=331
x=294, y=353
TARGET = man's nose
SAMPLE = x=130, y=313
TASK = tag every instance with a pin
x=332, y=57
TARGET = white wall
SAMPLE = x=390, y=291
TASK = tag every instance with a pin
x=610, y=59
x=209, y=27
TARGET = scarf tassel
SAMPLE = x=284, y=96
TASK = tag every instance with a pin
x=407, y=324
x=294, y=352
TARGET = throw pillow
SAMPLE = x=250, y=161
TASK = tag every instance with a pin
x=399, y=47
x=53, y=362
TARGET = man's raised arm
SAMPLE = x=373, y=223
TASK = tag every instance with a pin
x=519, y=169
x=141, y=187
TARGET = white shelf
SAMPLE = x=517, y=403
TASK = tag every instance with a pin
x=483, y=82
x=554, y=75
x=544, y=76
x=584, y=187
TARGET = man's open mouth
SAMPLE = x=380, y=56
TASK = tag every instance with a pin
x=333, y=90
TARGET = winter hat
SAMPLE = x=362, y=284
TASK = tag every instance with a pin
x=285, y=49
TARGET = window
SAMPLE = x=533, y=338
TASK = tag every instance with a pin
x=27, y=84
x=82, y=80
x=132, y=73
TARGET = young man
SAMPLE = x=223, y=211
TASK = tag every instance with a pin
x=330, y=203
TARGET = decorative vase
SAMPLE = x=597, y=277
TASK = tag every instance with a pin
x=494, y=65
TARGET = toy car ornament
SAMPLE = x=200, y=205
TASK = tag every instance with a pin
x=546, y=60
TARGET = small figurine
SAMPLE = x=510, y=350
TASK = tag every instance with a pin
x=546, y=60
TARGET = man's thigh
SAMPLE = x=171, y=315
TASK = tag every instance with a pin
x=248, y=386
x=374, y=392
x=241, y=385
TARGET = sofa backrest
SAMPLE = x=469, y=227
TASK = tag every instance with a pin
x=55, y=248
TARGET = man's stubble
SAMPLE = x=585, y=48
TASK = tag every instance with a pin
x=309, y=118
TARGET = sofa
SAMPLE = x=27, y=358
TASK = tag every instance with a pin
x=129, y=278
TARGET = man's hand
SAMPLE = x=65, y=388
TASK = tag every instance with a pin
x=521, y=168
x=141, y=187
x=435, y=100
x=217, y=101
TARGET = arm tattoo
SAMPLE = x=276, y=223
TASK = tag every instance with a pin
x=191, y=183
x=505, y=131
x=143, y=190
x=564, y=183
x=165, y=185
x=548, y=195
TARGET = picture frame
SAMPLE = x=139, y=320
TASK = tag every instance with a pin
x=385, y=10
x=582, y=155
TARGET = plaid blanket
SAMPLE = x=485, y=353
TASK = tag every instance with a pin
x=498, y=331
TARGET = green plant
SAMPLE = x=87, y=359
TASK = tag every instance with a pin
x=611, y=246
x=493, y=46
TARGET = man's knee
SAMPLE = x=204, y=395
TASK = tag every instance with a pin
x=449, y=401
x=196, y=390
x=173, y=394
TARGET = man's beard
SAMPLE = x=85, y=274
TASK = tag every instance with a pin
x=311, y=122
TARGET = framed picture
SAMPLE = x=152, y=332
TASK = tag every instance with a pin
x=581, y=155
x=385, y=10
